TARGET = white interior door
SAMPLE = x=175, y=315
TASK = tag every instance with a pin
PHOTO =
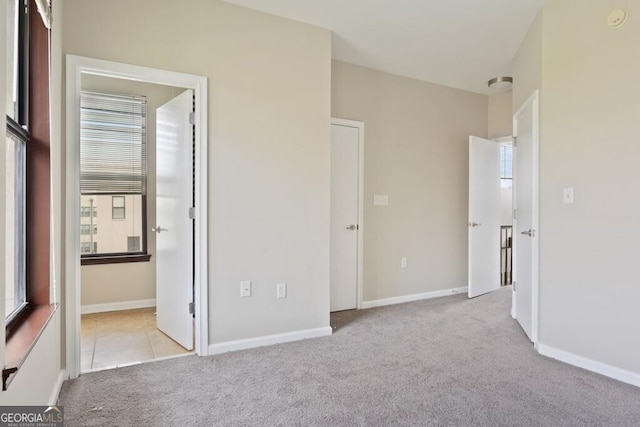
x=525, y=234
x=484, y=216
x=174, y=228
x=345, y=142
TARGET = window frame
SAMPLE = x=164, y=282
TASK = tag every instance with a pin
x=19, y=127
x=123, y=207
x=124, y=257
x=506, y=182
x=17, y=316
x=32, y=106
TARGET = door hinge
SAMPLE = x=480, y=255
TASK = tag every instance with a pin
x=514, y=286
x=514, y=214
x=514, y=139
x=192, y=213
x=192, y=308
x=192, y=118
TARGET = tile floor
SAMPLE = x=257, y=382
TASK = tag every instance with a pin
x=119, y=338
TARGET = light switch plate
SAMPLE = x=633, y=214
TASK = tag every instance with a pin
x=380, y=200
x=245, y=289
x=567, y=195
x=281, y=290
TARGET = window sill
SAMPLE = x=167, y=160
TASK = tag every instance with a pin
x=115, y=259
x=24, y=339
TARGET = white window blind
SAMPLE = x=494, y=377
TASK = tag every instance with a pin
x=113, y=154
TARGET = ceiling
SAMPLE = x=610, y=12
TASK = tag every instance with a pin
x=457, y=43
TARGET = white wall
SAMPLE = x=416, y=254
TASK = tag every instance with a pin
x=113, y=283
x=527, y=65
x=416, y=152
x=500, y=116
x=269, y=145
x=38, y=380
x=590, y=141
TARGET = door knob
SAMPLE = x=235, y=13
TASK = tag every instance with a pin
x=352, y=227
x=158, y=229
x=529, y=232
x=474, y=224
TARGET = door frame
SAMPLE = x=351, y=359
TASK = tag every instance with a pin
x=360, y=126
x=533, y=100
x=75, y=67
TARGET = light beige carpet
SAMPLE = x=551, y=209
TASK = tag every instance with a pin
x=448, y=361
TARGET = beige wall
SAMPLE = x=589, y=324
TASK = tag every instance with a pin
x=500, y=115
x=102, y=284
x=590, y=131
x=527, y=65
x=416, y=152
x=269, y=145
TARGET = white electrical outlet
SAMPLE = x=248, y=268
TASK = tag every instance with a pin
x=245, y=289
x=281, y=290
x=403, y=262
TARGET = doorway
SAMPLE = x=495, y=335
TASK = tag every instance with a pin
x=484, y=216
x=124, y=144
x=490, y=214
x=196, y=310
x=347, y=214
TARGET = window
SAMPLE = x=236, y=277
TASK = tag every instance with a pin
x=15, y=158
x=133, y=243
x=113, y=175
x=85, y=247
x=17, y=62
x=85, y=211
x=26, y=165
x=118, y=208
x=506, y=166
x=85, y=229
x=15, y=272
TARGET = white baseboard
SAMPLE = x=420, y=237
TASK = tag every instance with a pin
x=228, y=346
x=623, y=375
x=117, y=306
x=414, y=297
x=53, y=399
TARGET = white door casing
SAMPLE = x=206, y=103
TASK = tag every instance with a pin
x=346, y=215
x=525, y=223
x=484, y=216
x=76, y=66
x=174, y=228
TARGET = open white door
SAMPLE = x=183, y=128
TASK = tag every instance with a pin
x=525, y=223
x=484, y=216
x=174, y=228
x=345, y=142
